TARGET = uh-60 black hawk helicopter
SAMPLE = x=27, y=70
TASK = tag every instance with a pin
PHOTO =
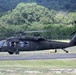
x=33, y=43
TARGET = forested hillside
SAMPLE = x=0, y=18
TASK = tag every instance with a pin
x=67, y=5
x=31, y=16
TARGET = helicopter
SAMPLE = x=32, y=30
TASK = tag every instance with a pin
x=14, y=45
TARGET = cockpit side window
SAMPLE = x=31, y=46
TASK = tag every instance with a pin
x=5, y=43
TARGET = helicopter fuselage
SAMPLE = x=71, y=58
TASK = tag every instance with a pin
x=32, y=45
x=16, y=44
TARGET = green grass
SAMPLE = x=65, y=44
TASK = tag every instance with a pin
x=39, y=63
x=39, y=74
x=43, y=66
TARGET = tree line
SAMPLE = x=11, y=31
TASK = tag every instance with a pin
x=30, y=16
x=66, y=5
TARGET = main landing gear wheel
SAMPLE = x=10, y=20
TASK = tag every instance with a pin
x=10, y=53
x=55, y=50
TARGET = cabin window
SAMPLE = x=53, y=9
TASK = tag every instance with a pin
x=12, y=44
x=9, y=43
x=21, y=44
x=26, y=43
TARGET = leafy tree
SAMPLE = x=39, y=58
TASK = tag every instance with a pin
x=31, y=16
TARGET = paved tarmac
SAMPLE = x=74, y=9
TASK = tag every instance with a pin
x=43, y=56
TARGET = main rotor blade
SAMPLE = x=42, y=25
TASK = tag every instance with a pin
x=38, y=31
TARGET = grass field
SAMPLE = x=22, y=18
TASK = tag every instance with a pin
x=38, y=67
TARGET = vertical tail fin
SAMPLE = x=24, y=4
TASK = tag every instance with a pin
x=73, y=41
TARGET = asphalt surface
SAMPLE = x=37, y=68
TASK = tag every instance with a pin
x=39, y=56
